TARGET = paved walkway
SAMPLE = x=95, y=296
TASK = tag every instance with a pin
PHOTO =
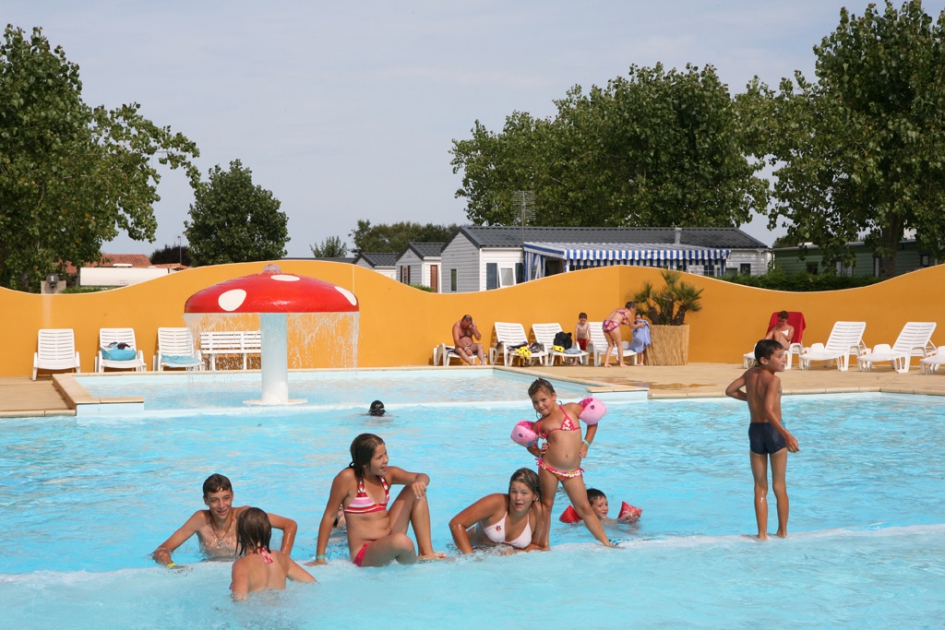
x=20, y=397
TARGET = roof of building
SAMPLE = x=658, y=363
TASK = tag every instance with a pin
x=378, y=259
x=432, y=249
x=512, y=237
x=110, y=260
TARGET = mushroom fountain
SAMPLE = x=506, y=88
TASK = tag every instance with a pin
x=273, y=295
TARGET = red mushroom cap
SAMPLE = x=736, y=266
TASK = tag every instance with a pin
x=272, y=292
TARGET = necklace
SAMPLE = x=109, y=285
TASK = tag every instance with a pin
x=221, y=539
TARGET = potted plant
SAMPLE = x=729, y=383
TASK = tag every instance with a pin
x=666, y=309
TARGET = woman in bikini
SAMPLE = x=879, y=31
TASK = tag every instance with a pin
x=559, y=460
x=611, y=325
x=377, y=532
x=514, y=519
x=259, y=568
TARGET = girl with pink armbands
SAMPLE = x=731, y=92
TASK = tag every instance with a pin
x=559, y=459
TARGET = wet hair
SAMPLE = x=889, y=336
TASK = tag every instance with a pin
x=362, y=452
x=783, y=315
x=253, y=530
x=216, y=483
x=377, y=408
x=582, y=315
x=593, y=494
x=630, y=305
x=765, y=348
x=538, y=385
x=529, y=477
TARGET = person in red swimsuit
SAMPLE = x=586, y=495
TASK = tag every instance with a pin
x=377, y=529
x=619, y=317
x=559, y=460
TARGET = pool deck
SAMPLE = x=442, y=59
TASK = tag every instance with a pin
x=21, y=397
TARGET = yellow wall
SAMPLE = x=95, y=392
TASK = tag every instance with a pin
x=400, y=325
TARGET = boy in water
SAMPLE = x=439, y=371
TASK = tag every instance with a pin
x=215, y=526
x=766, y=433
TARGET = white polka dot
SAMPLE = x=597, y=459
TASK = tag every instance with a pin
x=348, y=294
x=231, y=300
x=285, y=278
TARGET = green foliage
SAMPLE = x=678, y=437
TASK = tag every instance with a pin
x=669, y=305
x=71, y=176
x=802, y=281
x=421, y=287
x=78, y=289
x=395, y=237
x=331, y=247
x=656, y=148
x=171, y=254
x=860, y=151
x=233, y=220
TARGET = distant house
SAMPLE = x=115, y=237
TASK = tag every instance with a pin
x=384, y=263
x=479, y=258
x=909, y=257
x=118, y=270
x=420, y=263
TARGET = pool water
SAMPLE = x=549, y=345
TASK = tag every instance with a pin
x=90, y=498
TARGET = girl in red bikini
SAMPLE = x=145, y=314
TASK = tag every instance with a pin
x=260, y=568
x=377, y=529
x=559, y=460
x=620, y=317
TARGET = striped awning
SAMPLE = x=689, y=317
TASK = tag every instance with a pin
x=584, y=255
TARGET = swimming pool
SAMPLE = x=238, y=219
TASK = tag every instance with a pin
x=90, y=498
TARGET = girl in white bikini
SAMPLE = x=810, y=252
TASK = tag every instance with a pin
x=514, y=519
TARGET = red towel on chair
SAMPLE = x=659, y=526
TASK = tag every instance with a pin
x=795, y=319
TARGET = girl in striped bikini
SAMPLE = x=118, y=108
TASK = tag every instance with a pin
x=377, y=529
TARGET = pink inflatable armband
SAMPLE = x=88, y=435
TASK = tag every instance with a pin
x=594, y=410
x=524, y=433
x=629, y=513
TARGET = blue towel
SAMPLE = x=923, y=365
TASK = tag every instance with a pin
x=182, y=361
x=641, y=338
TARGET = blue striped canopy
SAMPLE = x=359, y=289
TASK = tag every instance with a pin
x=584, y=255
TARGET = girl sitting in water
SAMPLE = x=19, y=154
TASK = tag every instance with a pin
x=377, y=533
x=560, y=458
x=259, y=568
x=514, y=519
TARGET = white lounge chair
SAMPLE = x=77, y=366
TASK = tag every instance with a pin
x=107, y=336
x=175, y=349
x=931, y=363
x=915, y=340
x=443, y=354
x=508, y=335
x=55, y=350
x=845, y=339
x=597, y=344
x=545, y=335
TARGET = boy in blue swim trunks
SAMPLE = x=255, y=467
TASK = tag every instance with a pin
x=766, y=434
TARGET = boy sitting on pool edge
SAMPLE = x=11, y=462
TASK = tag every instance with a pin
x=215, y=527
x=766, y=433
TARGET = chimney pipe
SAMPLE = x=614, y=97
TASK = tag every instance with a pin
x=678, y=236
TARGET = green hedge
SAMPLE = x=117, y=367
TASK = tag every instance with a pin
x=802, y=281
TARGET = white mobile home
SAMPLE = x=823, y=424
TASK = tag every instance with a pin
x=420, y=264
x=384, y=263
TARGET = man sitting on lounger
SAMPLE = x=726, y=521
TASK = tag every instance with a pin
x=463, y=333
x=216, y=527
x=782, y=332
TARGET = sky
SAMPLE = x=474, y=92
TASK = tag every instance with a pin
x=348, y=110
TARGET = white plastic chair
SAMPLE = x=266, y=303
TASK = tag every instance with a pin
x=545, y=335
x=444, y=354
x=107, y=336
x=55, y=350
x=175, y=349
x=846, y=338
x=932, y=362
x=597, y=344
x=510, y=334
x=915, y=340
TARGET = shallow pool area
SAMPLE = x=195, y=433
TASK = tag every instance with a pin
x=91, y=497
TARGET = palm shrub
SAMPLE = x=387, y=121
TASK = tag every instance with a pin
x=668, y=306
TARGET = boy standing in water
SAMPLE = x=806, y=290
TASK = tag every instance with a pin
x=766, y=433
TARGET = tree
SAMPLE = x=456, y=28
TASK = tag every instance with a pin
x=171, y=254
x=396, y=236
x=860, y=151
x=71, y=176
x=656, y=148
x=331, y=247
x=233, y=220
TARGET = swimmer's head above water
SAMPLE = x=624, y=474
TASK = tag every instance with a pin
x=377, y=408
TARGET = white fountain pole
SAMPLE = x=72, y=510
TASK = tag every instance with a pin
x=275, y=360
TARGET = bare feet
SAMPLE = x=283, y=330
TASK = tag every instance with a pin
x=756, y=536
x=436, y=555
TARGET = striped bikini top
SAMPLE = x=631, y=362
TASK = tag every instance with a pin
x=362, y=503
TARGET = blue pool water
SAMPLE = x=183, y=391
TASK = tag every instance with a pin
x=89, y=498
